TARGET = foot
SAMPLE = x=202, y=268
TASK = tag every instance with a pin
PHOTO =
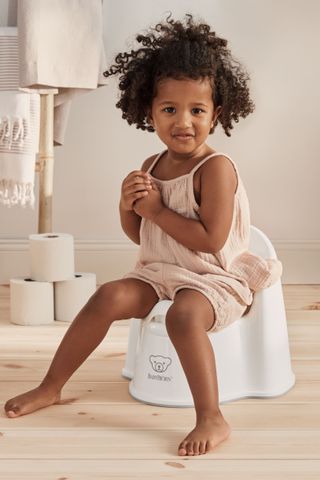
x=208, y=433
x=30, y=401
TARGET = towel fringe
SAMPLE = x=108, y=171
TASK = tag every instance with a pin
x=13, y=193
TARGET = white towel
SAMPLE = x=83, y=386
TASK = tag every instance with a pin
x=14, y=117
x=17, y=161
x=61, y=46
x=19, y=128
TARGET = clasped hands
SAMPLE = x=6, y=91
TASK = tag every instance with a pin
x=141, y=195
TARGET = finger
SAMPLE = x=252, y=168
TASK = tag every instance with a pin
x=138, y=190
x=139, y=172
x=136, y=174
x=137, y=185
x=131, y=181
x=137, y=195
x=155, y=186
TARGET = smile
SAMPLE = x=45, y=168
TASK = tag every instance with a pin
x=183, y=137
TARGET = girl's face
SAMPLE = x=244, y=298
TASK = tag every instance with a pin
x=183, y=113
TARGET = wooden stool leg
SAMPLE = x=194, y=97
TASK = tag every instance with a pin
x=45, y=163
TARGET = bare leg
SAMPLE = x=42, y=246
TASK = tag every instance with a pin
x=187, y=321
x=116, y=300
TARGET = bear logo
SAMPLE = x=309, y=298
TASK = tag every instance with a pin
x=160, y=364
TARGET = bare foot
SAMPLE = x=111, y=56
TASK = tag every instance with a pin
x=30, y=401
x=208, y=433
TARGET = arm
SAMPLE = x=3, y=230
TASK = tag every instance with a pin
x=209, y=233
x=187, y=231
x=130, y=220
x=130, y=223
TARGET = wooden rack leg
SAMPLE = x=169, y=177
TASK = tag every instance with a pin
x=45, y=163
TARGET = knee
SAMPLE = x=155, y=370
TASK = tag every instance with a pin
x=179, y=318
x=108, y=295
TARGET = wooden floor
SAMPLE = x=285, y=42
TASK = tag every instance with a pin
x=102, y=433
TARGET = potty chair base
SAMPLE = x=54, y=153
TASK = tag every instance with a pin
x=252, y=354
x=246, y=365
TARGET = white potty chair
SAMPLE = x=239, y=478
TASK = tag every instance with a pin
x=252, y=354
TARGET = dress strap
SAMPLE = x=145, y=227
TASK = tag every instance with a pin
x=155, y=161
x=201, y=163
x=210, y=156
x=215, y=155
x=190, y=174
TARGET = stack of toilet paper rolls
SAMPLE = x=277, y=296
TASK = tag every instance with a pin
x=54, y=291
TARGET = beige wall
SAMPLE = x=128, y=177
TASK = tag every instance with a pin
x=276, y=148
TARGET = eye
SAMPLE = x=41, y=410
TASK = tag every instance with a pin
x=197, y=110
x=169, y=109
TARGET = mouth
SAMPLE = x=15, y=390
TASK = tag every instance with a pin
x=183, y=136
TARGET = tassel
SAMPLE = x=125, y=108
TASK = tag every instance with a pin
x=12, y=129
x=13, y=193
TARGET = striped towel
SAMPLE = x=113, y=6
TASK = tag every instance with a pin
x=19, y=128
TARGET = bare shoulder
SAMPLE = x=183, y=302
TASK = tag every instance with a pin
x=148, y=162
x=219, y=169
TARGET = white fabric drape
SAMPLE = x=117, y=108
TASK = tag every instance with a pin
x=61, y=46
x=19, y=127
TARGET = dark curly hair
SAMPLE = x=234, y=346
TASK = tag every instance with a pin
x=178, y=49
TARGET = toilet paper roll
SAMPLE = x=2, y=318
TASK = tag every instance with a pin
x=31, y=303
x=71, y=295
x=51, y=257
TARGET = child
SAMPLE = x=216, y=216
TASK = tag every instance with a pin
x=188, y=210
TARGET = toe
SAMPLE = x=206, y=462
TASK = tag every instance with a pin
x=182, y=449
x=11, y=414
x=196, y=448
x=11, y=410
x=190, y=448
x=202, y=447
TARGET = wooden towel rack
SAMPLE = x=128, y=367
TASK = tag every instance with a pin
x=45, y=159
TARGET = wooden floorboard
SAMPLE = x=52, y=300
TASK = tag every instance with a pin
x=98, y=431
x=197, y=468
x=139, y=416
x=115, y=443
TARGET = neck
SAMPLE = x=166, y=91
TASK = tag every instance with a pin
x=177, y=158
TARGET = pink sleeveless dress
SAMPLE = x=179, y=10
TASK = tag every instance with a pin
x=227, y=279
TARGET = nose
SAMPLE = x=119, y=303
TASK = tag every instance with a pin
x=183, y=119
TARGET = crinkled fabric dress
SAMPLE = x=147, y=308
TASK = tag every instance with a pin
x=228, y=278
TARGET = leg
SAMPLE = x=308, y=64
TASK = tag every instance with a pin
x=187, y=322
x=116, y=300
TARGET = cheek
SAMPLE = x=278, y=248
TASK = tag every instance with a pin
x=163, y=124
x=205, y=123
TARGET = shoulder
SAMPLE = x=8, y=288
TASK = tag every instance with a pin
x=219, y=169
x=148, y=162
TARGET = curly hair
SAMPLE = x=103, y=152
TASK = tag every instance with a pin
x=178, y=49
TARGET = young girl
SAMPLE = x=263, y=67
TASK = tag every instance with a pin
x=187, y=209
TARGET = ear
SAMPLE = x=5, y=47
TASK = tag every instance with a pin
x=216, y=114
x=149, y=118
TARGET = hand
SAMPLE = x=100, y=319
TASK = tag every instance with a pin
x=135, y=186
x=151, y=205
